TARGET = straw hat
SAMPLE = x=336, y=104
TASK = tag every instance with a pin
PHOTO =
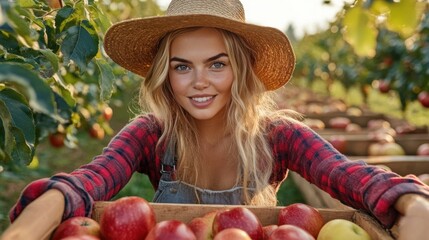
x=133, y=43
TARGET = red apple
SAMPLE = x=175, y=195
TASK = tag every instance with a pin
x=384, y=86
x=423, y=149
x=339, y=122
x=303, y=216
x=170, y=229
x=339, y=142
x=81, y=237
x=290, y=232
x=107, y=113
x=238, y=217
x=203, y=226
x=127, y=218
x=76, y=226
x=57, y=139
x=423, y=98
x=232, y=233
x=268, y=229
x=96, y=131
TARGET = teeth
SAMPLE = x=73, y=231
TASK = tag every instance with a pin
x=201, y=99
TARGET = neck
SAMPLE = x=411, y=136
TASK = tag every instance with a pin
x=212, y=131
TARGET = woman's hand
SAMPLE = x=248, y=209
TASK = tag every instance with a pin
x=413, y=223
x=39, y=219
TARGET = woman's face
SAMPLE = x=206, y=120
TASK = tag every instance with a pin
x=200, y=73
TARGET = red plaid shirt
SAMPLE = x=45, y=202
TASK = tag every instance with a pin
x=295, y=147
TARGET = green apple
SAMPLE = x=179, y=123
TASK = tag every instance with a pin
x=341, y=229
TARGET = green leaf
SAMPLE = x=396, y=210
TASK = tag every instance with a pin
x=404, y=17
x=21, y=126
x=65, y=18
x=101, y=19
x=107, y=79
x=80, y=44
x=360, y=31
x=52, y=57
x=20, y=25
x=26, y=3
x=39, y=93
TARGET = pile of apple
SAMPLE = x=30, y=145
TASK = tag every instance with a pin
x=130, y=218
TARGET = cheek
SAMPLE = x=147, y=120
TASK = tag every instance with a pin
x=177, y=84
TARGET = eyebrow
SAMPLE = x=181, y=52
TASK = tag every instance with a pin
x=177, y=59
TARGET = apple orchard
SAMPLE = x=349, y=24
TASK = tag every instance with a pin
x=362, y=83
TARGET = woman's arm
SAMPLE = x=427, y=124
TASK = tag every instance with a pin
x=414, y=210
x=39, y=219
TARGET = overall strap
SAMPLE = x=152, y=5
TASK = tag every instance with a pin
x=168, y=163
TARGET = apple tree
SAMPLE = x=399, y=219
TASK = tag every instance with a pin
x=55, y=79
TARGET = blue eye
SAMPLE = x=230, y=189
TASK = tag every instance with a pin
x=181, y=67
x=218, y=65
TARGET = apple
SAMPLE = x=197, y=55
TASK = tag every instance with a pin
x=339, y=142
x=54, y=4
x=203, y=226
x=385, y=149
x=96, y=131
x=107, y=113
x=314, y=124
x=268, y=229
x=57, y=139
x=303, y=216
x=353, y=127
x=232, y=233
x=170, y=229
x=340, y=229
x=423, y=98
x=238, y=217
x=76, y=226
x=424, y=178
x=383, y=86
x=377, y=124
x=290, y=232
x=127, y=218
x=392, y=149
x=374, y=149
x=423, y=149
x=339, y=122
x=354, y=111
x=81, y=237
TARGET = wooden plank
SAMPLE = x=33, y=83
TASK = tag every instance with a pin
x=374, y=228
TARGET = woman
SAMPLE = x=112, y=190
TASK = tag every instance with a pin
x=212, y=134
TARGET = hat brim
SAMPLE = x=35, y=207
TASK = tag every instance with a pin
x=132, y=44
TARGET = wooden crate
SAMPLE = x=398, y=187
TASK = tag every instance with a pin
x=267, y=215
x=362, y=120
x=402, y=165
x=358, y=143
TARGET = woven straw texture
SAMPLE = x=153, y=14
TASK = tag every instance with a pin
x=133, y=43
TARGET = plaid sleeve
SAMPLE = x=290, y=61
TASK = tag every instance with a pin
x=132, y=149
x=369, y=188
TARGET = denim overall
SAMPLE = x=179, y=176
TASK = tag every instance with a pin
x=174, y=191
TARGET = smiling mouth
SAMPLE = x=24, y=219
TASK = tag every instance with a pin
x=202, y=99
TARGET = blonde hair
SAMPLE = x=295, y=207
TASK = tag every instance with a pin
x=250, y=107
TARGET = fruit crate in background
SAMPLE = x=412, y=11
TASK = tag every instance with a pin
x=402, y=165
x=267, y=215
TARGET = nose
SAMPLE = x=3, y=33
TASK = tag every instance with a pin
x=200, y=80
